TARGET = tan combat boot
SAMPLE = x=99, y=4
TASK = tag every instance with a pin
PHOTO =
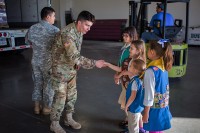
x=69, y=121
x=37, y=108
x=56, y=128
x=46, y=110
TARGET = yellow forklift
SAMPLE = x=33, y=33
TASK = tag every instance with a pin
x=177, y=34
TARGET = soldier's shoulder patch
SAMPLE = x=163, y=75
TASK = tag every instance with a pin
x=67, y=40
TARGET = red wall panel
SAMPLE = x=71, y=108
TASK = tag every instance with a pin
x=106, y=29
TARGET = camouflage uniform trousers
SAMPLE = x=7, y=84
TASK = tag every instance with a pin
x=42, y=86
x=65, y=97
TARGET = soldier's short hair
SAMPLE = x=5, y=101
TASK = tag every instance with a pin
x=46, y=11
x=160, y=5
x=86, y=15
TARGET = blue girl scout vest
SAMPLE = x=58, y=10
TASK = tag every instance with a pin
x=136, y=106
x=159, y=114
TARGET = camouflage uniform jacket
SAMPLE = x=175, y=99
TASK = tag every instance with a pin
x=41, y=36
x=65, y=58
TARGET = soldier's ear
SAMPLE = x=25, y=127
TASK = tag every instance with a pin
x=79, y=22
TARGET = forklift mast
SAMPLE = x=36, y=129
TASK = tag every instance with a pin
x=132, y=13
x=135, y=16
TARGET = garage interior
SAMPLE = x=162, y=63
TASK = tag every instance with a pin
x=96, y=108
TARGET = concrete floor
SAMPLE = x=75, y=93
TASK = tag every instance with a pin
x=97, y=108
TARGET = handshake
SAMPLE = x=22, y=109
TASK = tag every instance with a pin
x=102, y=63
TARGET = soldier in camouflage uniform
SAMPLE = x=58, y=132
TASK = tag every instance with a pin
x=65, y=60
x=41, y=36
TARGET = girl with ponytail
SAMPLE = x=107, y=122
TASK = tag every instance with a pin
x=157, y=116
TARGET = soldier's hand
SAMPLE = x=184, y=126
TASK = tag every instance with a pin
x=100, y=63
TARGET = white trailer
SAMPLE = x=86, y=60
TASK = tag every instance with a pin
x=16, y=16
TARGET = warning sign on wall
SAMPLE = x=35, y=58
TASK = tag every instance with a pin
x=194, y=36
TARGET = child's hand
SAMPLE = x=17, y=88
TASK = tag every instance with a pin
x=124, y=72
x=116, y=79
x=117, y=76
x=106, y=64
x=126, y=110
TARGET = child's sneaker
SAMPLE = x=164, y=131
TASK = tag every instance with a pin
x=142, y=130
